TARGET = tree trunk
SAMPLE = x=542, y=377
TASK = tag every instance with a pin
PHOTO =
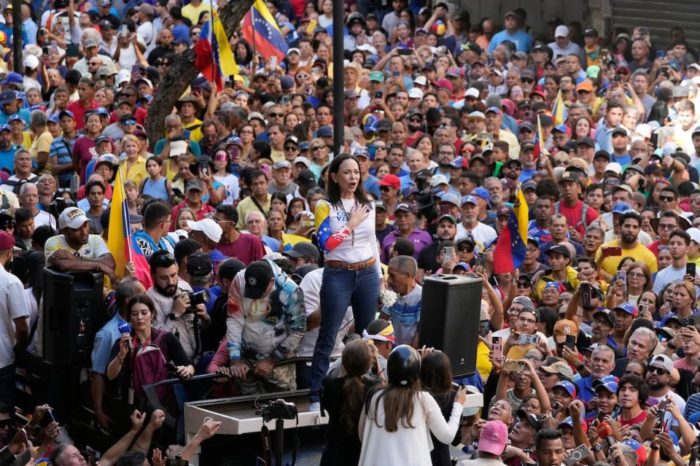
x=182, y=72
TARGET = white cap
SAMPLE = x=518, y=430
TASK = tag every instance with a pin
x=421, y=80
x=561, y=31
x=303, y=160
x=472, y=92
x=123, y=76
x=177, y=148
x=367, y=48
x=415, y=93
x=437, y=180
x=293, y=50
x=694, y=234
x=643, y=130
x=209, y=227
x=614, y=167
x=30, y=61
x=72, y=217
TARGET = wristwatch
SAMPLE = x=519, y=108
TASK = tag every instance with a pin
x=597, y=447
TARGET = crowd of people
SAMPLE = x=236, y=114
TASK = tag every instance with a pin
x=275, y=264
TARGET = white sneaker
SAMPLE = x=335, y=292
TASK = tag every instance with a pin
x=314, y=406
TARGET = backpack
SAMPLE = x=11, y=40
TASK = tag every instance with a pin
x=149, y=366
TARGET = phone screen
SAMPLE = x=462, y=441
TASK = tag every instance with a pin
x=497, y=348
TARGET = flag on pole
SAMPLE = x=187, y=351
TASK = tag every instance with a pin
x=268, y=40
x=539, y=141
x=559, y=111
x=511, y=245
x=213, y=54
x=119, y=242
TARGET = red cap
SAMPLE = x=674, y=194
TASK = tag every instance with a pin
x=391, y=181
x=7, y=241
x=443, y=83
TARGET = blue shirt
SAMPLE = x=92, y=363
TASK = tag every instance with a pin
x=371, y=185
x=7, y=158
x=62, y=151
x=624, y=160
x=521, y=39
x=104, y=341
x=23, y=113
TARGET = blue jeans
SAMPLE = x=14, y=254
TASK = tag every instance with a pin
x=339, y=289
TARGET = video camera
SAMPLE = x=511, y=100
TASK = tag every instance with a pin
x=278, y=409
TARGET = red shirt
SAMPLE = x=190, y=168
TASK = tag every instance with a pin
x=200, y=214
x=247, y=248
x=634, y=421
x=654, y=247
x=574, y=216
x=79, y=112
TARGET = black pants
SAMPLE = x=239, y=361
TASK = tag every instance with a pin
x=7, y=386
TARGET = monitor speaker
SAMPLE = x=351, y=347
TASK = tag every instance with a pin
x=73, y=311
x=449, y=321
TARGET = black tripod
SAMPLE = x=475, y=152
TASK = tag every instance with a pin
x=279, y=410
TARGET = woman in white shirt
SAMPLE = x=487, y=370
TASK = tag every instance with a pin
x=345, y=229
x=396, y=423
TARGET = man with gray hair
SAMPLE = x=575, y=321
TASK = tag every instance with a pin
x=405, y=312
x=42, y=139
x=640, y=347
x=29, y=198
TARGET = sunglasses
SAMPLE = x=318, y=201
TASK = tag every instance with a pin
x=384, y=188
x=302, y=76
x=291, y=148
x=276, y=115
x=657, y=370
x=129, y=123
x=318, y=147
x=527, y=80
x=582, y=92
x=667, y=199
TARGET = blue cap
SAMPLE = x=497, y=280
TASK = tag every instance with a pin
x=304, y=145
x=609, y=382
x=482, y=193
x=54, y=119
x=568, y=422
x=15, y=117
x=493, y=110
x=627, y=308
x=460, y=162
x=462, y=265
x=325, y=132
x=5, y=127
x=560, y=128
x=469, y=199
x=66, y=113
x=12, y=78
x=234, y=140
x=566, y=385
x=620, y=208
x=102, y=111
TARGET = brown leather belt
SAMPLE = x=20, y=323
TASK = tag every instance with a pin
x=351, y=265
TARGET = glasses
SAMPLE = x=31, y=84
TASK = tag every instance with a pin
x=657, y=370
x=527, y=321
x=291, y=148
x=524, y=285
x=318, y=147
x=416, y=119
x=302, y=76
x=275, y=115
x=666, y=226
x=582, y=92
x=127, y=94
x=527, y=80
x=667, y=198
x=384, y=188
x=246, y=131
x=380, y=147
x=636, y=275
x=196, y=33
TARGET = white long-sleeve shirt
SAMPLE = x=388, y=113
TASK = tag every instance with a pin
x=406, y=446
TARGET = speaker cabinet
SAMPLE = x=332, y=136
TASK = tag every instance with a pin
x=449, y=319
x=73, y=310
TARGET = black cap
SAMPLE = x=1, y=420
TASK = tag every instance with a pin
x=602, y=153
x=619, y=130
x=559, y=249
x=257, y=279
x=585, y=142
x=199, y=264
x=403, y=366
x=304, y=251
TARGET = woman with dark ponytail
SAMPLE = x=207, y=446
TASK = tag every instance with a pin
x=397, y=419
x=343, y=398
x=436, y=379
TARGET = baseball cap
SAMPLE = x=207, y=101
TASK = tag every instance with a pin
x=493, y=110
x=257, y=279
x=325, y=132
x=566, y=385
x=469, y=199
x=627, y=308
x=7, y=241
x=561, y=31
x=559, y=249
x=694, y=234
x=613, y=167
x=605, y=313
x=493, y=438
x=532, y=419
x=194, y=184
x=662, y=361
x=482, y=193
x=302, y=160
x=453, y=199
x=390, y=180
x=449, y=218
x=618, y=130
x=281, y=164
x=209, y=227
x=529, y=184
x=72, y=218
x=563, y=328
x=609, y=383
x=560, y=368
x=586, y=141
x=404, y=208
x=304, y=250
x=437, y=180
x=199, y=264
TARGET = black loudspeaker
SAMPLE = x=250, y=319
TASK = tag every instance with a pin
x=73, y=311
x=449, y=319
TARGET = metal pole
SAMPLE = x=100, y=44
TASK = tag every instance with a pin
x=338, y=78
x=17, y=35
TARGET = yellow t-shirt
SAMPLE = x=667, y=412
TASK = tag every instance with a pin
x=192, y=12
x=483, y=364
x=137, y=172
x=42, y=144
x=639, y=253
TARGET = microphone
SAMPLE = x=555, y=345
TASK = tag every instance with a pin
x=124, y=327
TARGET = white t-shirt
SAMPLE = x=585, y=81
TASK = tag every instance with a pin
x=482, y=233
x=44, y=218
x=12, y=306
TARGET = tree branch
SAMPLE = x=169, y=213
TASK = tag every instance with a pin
x=182, y=72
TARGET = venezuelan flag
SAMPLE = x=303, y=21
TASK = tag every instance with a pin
x=512, y=242
x=213, y=54
x=322, y=218
x=559, y=111
x=119, y=241
x=267, y=39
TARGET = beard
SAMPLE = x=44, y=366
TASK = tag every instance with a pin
x=168, y=291
x=629, y=238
